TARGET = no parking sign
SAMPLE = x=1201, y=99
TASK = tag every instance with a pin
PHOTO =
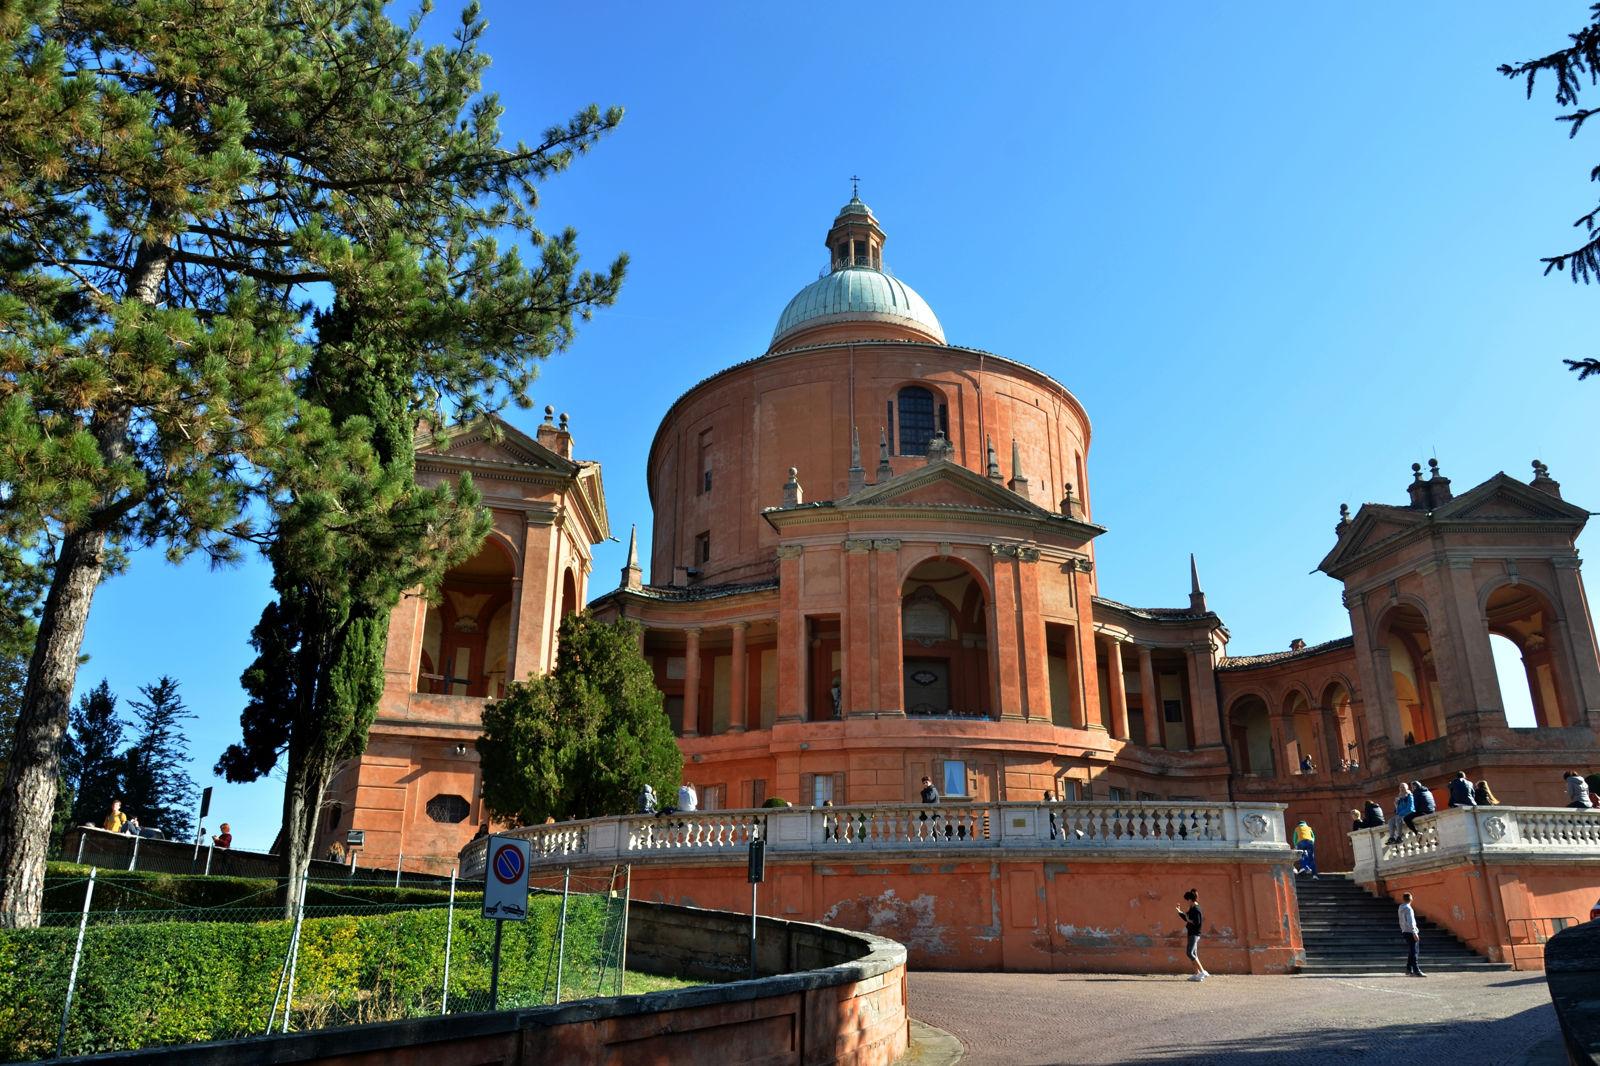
x=505, y=880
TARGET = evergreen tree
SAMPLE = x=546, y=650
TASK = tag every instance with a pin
x=583, y=740
x=1570, y=67
x=156, y=787
x=21, y=582
x=177, y=184
x=91, y=759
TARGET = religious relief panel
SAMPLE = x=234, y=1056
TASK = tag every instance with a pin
x=924, y=618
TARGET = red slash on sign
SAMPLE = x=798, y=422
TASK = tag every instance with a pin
x=507, y=865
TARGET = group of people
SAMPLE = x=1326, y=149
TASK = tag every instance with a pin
x=688, y=800
x=118, y=821
x=1413, y=799
x=1308, y=765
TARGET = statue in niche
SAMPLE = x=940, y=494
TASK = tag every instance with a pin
x=835, y=692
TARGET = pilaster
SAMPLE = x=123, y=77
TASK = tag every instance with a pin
x=1150, y=696
x=890, y=695
x=1004, y=645
x=691, y=683
x=1203, y=691
x=792, y=651
x=1119, y=691
x=738, y=690
x=1580, y=636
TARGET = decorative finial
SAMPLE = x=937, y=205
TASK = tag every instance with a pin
x=549, y=413
x=858, y=476
x=1433, y=468
x=1197, y=598
x=994, y=460
x=563, y=421
x=1416, y=471
x=855, y=187
x=1069, y=502
x=793, y=496
x=632, y=575
x=1344, y=520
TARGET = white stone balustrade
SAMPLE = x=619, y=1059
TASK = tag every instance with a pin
x=1464, y=834
x=1081, y=828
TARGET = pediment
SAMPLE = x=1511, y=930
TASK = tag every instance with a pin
x=943, y=484
x=492, y=439
x=1505, y=499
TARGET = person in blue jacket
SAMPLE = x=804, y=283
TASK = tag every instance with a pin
x=1404, y=808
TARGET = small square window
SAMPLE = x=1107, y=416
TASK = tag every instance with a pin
x=702, y=547
x=955, y=777
x=1118, y=794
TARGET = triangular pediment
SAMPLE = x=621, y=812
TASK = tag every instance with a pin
x=1505, y=499
x=491, y=439
x=942, y=484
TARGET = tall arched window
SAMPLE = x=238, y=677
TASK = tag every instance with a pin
x=915, y=420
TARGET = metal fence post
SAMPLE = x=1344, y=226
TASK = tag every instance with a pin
x=294, y=953
x=286, y=976
x=133, y=860
x=449, y=934
x=627, y=897
x=210, y=848
x=72, y=978
x=561, y=935
x=82, y=836
x=397, y=863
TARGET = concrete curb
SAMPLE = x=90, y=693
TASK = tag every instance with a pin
x=931, y=1047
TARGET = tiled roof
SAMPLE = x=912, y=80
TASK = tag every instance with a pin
x=1242, y=662
x=1153, y=612
x=679, y=594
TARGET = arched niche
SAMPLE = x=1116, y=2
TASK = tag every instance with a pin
x=466, y=641
x=1405, y=635
x=944, y=641
x=1250, y=733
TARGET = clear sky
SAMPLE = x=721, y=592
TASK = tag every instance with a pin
x=1280, y=252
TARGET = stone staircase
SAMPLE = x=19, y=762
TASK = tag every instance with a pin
x=1350, y=931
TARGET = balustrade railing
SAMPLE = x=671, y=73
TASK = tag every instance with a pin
x=1470, y=833
x=1081, y=827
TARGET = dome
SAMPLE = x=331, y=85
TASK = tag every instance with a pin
x=857, y=294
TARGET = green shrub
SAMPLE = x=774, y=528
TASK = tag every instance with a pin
x=153, y=983
x=776, y=801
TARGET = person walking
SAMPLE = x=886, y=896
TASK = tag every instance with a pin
x=1577, y=791
x=115, y=819
x=1193, y=922
x=1405, y=808
x=1413, y=935
x=1461, y=791
x=1305, y=838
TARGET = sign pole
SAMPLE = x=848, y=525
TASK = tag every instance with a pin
x=755, y=886
x=494, y=966
x=758, y=873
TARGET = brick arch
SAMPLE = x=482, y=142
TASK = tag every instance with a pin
x=910, y=560
x=1382, y=620
x=1495, y=584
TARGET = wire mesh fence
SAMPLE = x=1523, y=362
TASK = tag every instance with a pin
x=165, y=959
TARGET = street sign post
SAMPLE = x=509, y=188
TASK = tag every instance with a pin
x=505, y=896
x=200, y=823
x=758, y=873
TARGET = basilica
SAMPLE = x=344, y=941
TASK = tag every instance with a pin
x=872, y=560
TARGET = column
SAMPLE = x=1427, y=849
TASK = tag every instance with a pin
x=1003, y=635
x=1035, y=650
x=1203, y=698
x=1088, y=672
x=1579, y=646
x=1119, y=692
x=532, y=653
x=1474, y=642
x=738, y=695
x=858, y=687
x=1150, y=693
x=791, y=637
x=402, y=658
x=889, y=692
x=691, y=682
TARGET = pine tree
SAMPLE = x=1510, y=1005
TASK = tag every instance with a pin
x=156, y=787
x=91, y=759
x=21, y=583
x=178, y=184
x=1570, y=67
x=583, y=740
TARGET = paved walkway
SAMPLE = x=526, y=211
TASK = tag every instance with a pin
x=1460, y=1019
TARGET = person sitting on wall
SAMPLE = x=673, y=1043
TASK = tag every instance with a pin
x=1405, y=808
x=1371, y=815
x=647, y=799
x=131, y=827
x=1423, y=797
x=115, y=819
x=1306, y=765
x=1461, y=791
x=1356, y=822
x=1577, y=791
x=1484, y=795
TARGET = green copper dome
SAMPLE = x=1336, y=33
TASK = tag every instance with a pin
x=857, y=294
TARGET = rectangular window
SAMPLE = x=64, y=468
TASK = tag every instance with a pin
x=702, y=548
x=758, y=792
x=1068, y=790
x=1173, y=710
x=955, y=777
x=888, y=424
x=821, y=789
x=1118, y=794
x=714, y=798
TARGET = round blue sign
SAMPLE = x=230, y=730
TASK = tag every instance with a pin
x=508, y=865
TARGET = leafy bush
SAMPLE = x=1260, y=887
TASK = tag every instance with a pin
x=776, y=801
x=154, y=983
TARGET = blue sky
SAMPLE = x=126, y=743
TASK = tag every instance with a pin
x=1279, y=252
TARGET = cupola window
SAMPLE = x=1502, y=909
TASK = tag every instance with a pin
x=916, y=421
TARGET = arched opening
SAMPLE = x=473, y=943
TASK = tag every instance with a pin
x=1347, y=743
x=1250, y=731
x=1520, y=621
x=945, y=646
x=569, y=594
x=1416, y=682
x=1305, y=752
x=466, y=637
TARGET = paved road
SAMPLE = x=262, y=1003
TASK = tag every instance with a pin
x=1459, y=1019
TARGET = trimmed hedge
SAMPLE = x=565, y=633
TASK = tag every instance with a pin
x=154, y=983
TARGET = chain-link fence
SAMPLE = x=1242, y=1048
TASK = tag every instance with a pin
x=150, y=959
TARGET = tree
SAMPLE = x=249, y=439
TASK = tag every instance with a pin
x=21, y=582
x=1570, y=67
x=431, y=319
x=583, y=740
x=91, y=759
x=156, y=786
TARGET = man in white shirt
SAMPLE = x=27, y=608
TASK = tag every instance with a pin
x=687, y=799
x=1408, y=929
